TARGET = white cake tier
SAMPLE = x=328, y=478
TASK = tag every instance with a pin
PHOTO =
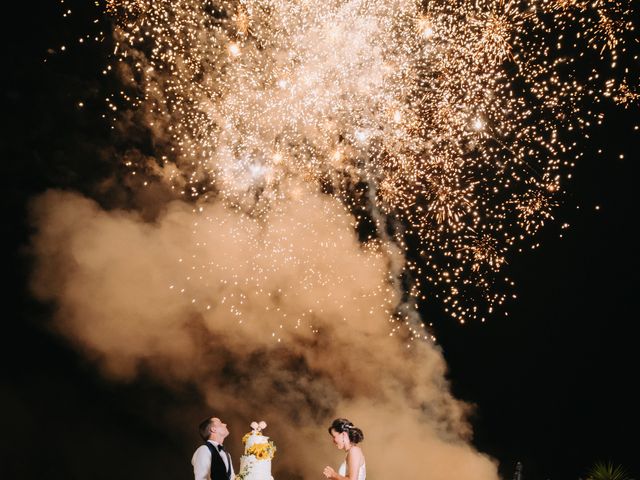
x=257, y=469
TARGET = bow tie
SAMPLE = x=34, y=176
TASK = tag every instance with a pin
x=220, y=448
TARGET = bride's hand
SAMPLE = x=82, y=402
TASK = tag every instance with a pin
x=329, y=472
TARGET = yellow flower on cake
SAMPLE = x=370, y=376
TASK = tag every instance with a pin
x=262, y=451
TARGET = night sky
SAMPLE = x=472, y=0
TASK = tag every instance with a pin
x=553, y=383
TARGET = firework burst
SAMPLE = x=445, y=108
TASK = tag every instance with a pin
x=444, y=123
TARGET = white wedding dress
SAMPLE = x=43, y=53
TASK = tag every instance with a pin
x=362, y=473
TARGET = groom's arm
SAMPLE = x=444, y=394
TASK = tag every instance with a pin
x=202, y=463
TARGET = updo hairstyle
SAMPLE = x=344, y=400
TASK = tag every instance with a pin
x=343, y=425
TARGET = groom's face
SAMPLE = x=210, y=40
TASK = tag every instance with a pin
x=219, y=428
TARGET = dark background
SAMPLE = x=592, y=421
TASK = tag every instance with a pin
x=553, y=383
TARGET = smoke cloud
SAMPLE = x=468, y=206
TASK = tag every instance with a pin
x=284, y=317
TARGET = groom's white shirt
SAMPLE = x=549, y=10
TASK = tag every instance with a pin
x=201, y=462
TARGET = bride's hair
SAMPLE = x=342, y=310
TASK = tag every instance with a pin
x=343, y=425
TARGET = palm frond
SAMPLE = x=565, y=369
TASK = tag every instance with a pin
x=608, y=471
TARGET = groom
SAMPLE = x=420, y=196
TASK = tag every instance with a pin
x=210, y=461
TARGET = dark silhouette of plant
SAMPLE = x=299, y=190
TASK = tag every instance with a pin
x=608, y=471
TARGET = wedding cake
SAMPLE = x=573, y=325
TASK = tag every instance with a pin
x=255, y=463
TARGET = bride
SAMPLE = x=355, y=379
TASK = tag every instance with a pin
x=347, y=437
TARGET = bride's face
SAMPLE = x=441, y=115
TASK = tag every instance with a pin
x=339, y=439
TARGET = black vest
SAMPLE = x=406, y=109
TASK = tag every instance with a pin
x=218, y=470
